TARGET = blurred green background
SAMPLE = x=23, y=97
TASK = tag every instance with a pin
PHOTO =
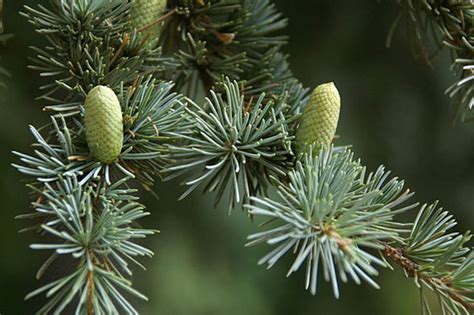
x=394, y=112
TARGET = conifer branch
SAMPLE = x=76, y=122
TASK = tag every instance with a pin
x=247, y=137
x=84, y=205
x=451, y=25
x=332, y=217
x=235, y=145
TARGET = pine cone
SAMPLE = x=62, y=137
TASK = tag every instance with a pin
x=319, y=120
x=145, y=12
x=103, y=122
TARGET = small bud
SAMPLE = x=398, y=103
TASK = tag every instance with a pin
x=145, y=12
x=225, y=38
x=103, y=123
x=320, y=117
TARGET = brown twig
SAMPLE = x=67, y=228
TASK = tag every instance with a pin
x=412, y=269
x=158, y=21
x=125, y=42
x=343, y=243
x=90, y=292
x=224, y=38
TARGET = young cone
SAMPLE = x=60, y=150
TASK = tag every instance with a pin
x=146, y=12
x=319, y=120
x=103, y=122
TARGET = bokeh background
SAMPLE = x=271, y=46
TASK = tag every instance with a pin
x=394, y=113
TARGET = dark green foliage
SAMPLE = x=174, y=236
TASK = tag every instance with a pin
x=450, y=24
x=89, y=45
x=211, y=40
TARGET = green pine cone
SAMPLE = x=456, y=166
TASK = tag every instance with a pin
x=145, y=12
x=103, y=122
x=319, y=120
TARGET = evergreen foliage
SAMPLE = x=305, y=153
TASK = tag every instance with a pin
x=330, y=212
x=448, y=24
